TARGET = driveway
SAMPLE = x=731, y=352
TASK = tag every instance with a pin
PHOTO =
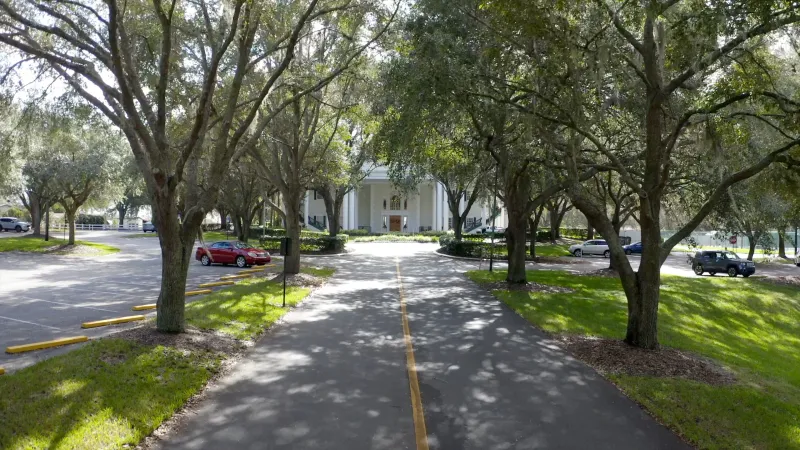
x=334, y=375
x=48, y=297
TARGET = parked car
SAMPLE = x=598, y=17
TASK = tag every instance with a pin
x=487, y=230
x=636, y=247
x=232, y=252
x=593, y=247
x=715, y=262
x=12, y=223
x=149, y=226
x=797, y=259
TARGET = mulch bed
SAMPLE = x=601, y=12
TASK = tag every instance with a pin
x=192, y=340
x=528, y=287
x=782, y=281
x=300, y=280
x=612, y=356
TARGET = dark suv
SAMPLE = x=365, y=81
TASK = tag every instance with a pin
x=719, y=261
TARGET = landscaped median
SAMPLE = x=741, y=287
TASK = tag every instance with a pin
x=727, y=375
x=113, y=392
x=31, y=244
x=476, y=246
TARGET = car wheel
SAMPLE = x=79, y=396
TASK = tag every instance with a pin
x=698, y=269
x=18, y=229
x=712, y=273
x=578, y=253
x=606, y=254
x=746, y=275
x=205, y=260
x=732, y=272
x=628, y=252
x=241, y=262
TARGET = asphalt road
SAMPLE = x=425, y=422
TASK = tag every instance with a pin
x=45, y=297
x=333, y=375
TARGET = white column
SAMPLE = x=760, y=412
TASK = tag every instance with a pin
x=371, y=208
x=355, y=209
x=433, y=206
x=353, y=206
x=419, y=218
x=346, y=212
x=438, y=205
x=308, y=198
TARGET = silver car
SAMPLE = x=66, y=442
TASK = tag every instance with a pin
x=797, y=259
x=13, y=224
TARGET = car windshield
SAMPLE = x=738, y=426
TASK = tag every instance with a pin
x=241, y=245
x=728, y=255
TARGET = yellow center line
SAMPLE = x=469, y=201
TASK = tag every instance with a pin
x=411, y=366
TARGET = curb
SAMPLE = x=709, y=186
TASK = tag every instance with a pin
x=236, y=277
x=216, y=284
x=46, y=344
x=102, y=323
x=144, y=307
x=197, y=292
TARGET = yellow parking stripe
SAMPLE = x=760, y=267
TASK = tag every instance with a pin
x=411, y=367
x=215, y=284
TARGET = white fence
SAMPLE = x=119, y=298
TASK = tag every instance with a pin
x=99, y=227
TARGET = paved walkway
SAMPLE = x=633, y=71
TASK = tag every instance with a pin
x=333, y=375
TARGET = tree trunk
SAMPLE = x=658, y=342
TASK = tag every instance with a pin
x=781, y=243
x=753, y=240
x=292, y=205
x=237, y=225
x=334, y=201
x=517, y=246
x=589, y=232
x=122, y=210
x=458, y=229
x=553, y=224
x=223, y=219
x=643, y=290
x=70, y=216
x=36, y=216
x=177, y=240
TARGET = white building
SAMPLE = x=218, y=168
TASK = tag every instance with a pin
x=378, y=207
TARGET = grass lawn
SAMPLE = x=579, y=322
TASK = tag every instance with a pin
x=106, y=394
x=111, y=393
x=243, y=310
x=322, y=272
x=748, y=326
x=39, y=245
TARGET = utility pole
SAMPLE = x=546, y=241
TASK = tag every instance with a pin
x=795, y=240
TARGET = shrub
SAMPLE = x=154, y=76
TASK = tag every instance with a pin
x=87, y=219
x=318, y=243
x=574, y=233
x=19, y=213
x=359, y=232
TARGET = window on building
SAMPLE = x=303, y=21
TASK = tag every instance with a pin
x=315, y=195
x=395, y=206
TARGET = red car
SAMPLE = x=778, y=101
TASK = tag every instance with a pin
x=226, y=252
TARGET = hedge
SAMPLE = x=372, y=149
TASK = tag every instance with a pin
x=87, y=219
x=319, y=243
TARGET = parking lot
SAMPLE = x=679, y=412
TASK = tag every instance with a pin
x=44, y=297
